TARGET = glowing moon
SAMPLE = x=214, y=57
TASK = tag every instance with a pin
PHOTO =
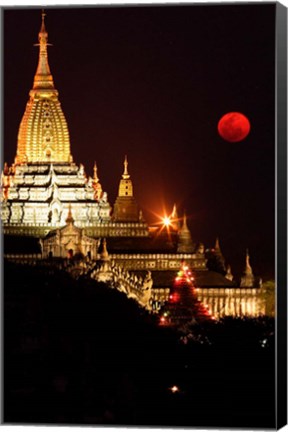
x=234, y=127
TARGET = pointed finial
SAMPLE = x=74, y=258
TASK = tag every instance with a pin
x=247, y=258
x=248, y=269
x=229, y=273
x=174, y=214
x=125, y=175
x=185, y=244
x=43, y=14
x=95, y=176
x=184, y=226
x=43, y=79
x=217, y=245
x=104, y=254
x=69, y=219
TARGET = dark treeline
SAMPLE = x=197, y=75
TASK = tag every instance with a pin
x=78, y=352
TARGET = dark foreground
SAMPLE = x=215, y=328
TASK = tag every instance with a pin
x=77, y=352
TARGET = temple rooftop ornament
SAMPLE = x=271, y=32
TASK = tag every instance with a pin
x=125, y=207
x=43, y=133
x=104, y=256
x=43, y=80
x=247, y=280
x=229, y=274
x=174, y=218
x=125, y=175
x=185, y=243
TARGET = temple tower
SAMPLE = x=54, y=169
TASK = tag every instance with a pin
x=219, y=257
x=247, y=280
x=96, y=184
x=174, y=218
x=39, y=187
x=125, y=207
x=229, y=274
x=185, y=243
x=43, y=133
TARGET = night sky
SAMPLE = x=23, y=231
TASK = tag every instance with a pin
x=152, y=83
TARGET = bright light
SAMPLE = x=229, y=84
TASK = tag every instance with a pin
x=166, y=221
x=174, y=389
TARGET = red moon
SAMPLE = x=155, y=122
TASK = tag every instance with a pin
x=234, y=127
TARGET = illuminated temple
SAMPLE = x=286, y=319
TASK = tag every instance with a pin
x=51, y=209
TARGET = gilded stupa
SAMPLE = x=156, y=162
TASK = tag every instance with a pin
x=43, y=181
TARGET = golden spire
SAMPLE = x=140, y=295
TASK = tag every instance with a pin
x=95, y=176
x=43, y=79
x=248, y=269
x=185, y=243
x=174, y=218
x=125, y=186
x=184, y=226
x=43, y=133
x=229, y=273
x=125, y=175
x=217, y=245
x=104, y=256
x=174, y=214
x=96, y=184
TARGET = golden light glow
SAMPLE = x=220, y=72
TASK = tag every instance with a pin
x=174, y=389
x=166, y=221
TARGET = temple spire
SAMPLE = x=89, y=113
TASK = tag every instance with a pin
x=184, y=226
x=247, y=280
x=43, y=29
x=104, y=256
x=43, y=133
x=248, y=269
x=96, y=184
x=185, y=243
x=229, y=273
x=125, y=175
x=174, y=218
x=95, y=176
x=174, y=214
x=217, y=245
x=43, y=79
x=125, y=207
